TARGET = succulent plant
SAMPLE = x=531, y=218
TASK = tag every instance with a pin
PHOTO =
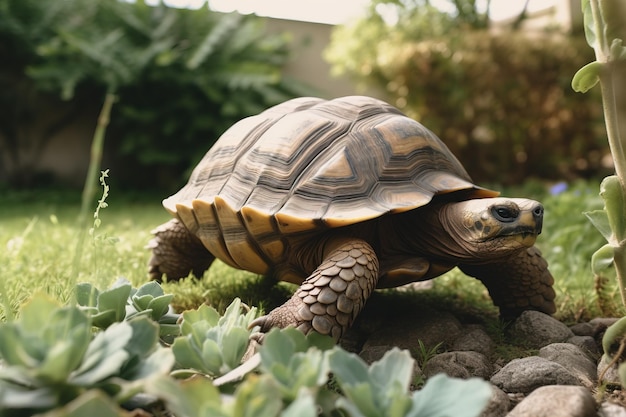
x=123, y=302
x=212, y=344
x=50, y=356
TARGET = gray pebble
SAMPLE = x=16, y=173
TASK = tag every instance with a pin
x=527, y=374
x=460, y=365
x=573, y=359
x=556, y=401
x=476, y=339
x=537, y=330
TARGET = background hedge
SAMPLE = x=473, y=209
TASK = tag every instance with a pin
x=501, y=99
x=181, y=77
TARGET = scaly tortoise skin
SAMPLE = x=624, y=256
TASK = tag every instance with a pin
x=342, y=197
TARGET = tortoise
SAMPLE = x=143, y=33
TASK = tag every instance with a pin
x=341, y=197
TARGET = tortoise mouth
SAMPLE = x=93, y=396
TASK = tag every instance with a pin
x=512, y=238
x=523, y=231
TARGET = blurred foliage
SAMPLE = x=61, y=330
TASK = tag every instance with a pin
x=181, y=77
x=500, y=99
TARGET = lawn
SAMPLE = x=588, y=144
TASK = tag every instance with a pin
x=38, y=236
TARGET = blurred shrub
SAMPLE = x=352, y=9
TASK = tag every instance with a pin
x=502, y=101
x=181, y=77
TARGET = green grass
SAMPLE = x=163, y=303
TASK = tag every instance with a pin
x=38, y=234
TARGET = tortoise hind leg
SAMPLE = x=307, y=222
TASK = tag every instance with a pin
x=519, y=283
x=176, y=252
x=329, y=300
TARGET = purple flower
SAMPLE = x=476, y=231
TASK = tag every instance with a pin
x=558, y=188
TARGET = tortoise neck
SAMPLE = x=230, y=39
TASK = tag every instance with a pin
x=426, y=231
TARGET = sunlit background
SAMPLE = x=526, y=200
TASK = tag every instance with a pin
x=335, y=12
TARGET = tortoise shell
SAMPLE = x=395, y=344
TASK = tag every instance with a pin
x=310, y=165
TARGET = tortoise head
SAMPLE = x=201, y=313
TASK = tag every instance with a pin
x=489, y=227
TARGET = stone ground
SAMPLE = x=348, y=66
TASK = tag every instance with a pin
x=537, y=365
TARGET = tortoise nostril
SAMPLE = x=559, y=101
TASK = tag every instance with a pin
x=538, y=211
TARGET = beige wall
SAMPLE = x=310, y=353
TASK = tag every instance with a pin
x=308, y=64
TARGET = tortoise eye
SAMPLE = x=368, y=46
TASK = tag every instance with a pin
x=505, y=214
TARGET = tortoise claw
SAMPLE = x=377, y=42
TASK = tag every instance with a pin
x=262, y=322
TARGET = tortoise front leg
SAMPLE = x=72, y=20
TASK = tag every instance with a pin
x=329, y=300
x=176, y=252
x=519, y=283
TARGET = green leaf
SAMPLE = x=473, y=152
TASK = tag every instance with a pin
x=160, y=305
x=87, y=294
x=141, y=303
x=360, y=397
x=349, y=408
x=66, y=355
x=600, y=220
x=257, y=397
x=48, y=339
x=190, y=398
x=160, y=362
x=613, y=13
x=602, y=259
x=280, y=345
x=612, y=337
x=381, y=390
x=320, y=341
x=104, y=319
x=211, y=358
x=232, y=316
x=281, y=374
x=443, y=396
x=170, y=318
x=234, y=346
x=62, y=323
x=91, y=403
x=310, y=369
x=115, y=299
x=14, y=396
x=151, y=288
x=588, y=21
x=145, y=337
x=203, y=313
x=12, y=348
x=587, y=77
x=105, y=356
x=224, y=28
x=618, y=50
x=277, y=347
x=348, y=368
x=303, y=406
x=198, y=332
x=186, y=354
x=612, y=194
x=393, y=370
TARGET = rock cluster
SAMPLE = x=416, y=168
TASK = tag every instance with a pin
x=556, y=373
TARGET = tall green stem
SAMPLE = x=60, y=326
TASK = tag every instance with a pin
x=89, y=190
x=613, y=105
